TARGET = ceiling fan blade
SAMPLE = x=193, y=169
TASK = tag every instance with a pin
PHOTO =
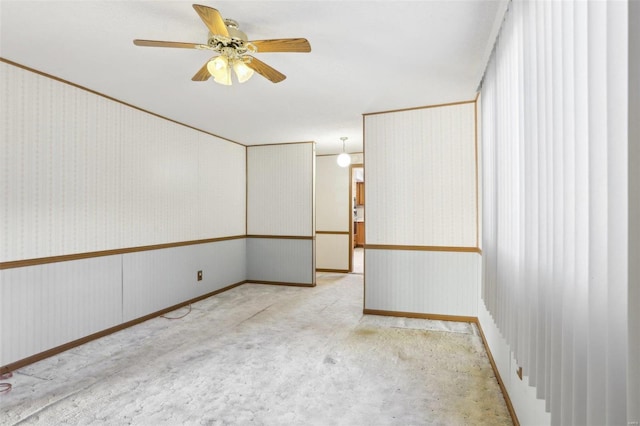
x=157, y=43
x=202, y=74
x=265, y=70
x=212, y=19
x=282, y=45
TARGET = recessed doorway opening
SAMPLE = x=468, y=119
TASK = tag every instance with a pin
x=357, y=205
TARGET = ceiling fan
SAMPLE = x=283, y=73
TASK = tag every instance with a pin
x=234, y=50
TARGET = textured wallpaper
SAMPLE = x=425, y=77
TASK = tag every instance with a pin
x=280, y=198
x=82, y=173
x=332, y=195
x=421, y=177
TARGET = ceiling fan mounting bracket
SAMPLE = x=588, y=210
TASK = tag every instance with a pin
x=231, y=23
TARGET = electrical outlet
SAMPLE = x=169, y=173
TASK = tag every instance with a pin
x=199, y=275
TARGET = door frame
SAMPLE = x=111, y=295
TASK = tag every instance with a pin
x=351, y=207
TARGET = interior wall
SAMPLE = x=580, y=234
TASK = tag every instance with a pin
x=421, y=176
x=281, y=213
x=332, y=251
x=81, y=174
x=417, y=281
x=45, y=306
x=332, y=215
x=421, y=197
x=155, y=279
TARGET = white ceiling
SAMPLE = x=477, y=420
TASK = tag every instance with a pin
x=366, y=56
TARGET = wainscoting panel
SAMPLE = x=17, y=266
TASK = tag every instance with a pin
x=281, y=260
x=429, y=282
x=45, y=306
x=156, y=279
x=332, y=251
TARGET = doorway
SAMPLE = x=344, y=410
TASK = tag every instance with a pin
x=357, y=206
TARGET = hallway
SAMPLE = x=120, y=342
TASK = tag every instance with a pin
x=358, y=260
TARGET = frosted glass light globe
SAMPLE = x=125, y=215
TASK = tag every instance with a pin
x=344, y=159
x=219, y=70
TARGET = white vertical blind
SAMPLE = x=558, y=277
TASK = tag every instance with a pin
x=633, y=399
x=555, y=208
x=332, y=195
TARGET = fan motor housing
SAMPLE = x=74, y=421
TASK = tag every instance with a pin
x=235, y=43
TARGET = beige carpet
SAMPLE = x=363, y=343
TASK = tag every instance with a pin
x=267, y=355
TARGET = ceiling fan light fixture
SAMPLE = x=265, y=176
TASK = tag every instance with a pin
x=243, y=72
x=220, y=70
x=234, y=48
x=343, y=159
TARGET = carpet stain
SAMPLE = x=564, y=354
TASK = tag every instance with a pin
x=329, y=360
x=364, y=332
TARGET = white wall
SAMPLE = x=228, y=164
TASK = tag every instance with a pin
x=332, y=195
x=280, y=189
x=421, y=200
x=281, y=213
x=421, y=177
x=333, y=215
x=280, y=261
x=81, y=173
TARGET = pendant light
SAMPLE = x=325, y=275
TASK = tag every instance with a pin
x=343, y=159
